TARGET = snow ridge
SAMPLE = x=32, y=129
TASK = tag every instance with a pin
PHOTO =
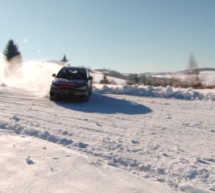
x=158, y=92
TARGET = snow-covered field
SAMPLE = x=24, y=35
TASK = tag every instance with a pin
x=125, y=139
x=207, y=77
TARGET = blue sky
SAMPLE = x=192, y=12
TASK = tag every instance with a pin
x=124, y=35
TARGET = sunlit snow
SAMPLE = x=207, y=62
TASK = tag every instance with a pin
x=129, y=139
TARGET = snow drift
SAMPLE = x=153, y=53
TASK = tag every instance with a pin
x=159, y=92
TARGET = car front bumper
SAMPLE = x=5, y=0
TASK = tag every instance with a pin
x=68, y=94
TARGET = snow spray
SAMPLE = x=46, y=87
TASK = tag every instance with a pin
x=35, y=76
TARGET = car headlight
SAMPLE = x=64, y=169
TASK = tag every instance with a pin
x=54, y=86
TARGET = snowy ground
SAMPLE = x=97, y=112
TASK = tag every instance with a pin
x=167, y=141
x=207, y=78
x=113, y=143
x=32, y=165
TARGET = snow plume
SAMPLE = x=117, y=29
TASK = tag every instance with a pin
x=1, y=66
x=29, y=75
x=4, y=66
x=37, y=75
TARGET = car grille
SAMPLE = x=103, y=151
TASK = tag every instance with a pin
x=66, y=89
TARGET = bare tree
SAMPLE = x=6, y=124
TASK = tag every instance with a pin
x=193, y=72
x=105, y=80
x=133, y=79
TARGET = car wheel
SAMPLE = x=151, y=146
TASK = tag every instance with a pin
x=51, y=96
x=87, y=97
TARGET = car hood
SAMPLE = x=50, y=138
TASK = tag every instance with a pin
x=64, y=83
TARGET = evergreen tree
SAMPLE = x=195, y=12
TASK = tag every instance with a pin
x=11, y=50
x=64, y=59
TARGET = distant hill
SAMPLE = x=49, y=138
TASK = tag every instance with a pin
x=112, y=73
x=142, y=76
x=207, y=76
x=206, y=69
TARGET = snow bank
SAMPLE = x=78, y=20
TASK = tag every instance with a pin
x=161, y=92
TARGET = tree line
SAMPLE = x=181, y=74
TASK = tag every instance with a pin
x=14, y=58
x=11, y=51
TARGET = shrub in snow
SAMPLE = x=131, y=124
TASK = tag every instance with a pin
x=105, y=80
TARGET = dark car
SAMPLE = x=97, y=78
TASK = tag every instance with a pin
x=71, y=83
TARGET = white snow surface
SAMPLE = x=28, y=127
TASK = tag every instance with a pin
x=159, y=92
x=29, y=164
x=207, y=78
x=98, y=76
x=127, y=139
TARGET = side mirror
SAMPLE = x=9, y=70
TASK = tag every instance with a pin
x=54, y=75
x=90, y=78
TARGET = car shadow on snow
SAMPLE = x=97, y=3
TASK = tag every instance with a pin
x=99, y=103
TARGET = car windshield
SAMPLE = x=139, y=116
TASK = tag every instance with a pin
x=72, y=74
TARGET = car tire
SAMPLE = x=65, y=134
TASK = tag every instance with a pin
x=51, y=96
x=87, y=97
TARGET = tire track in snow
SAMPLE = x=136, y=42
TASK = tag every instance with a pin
x=173, y=144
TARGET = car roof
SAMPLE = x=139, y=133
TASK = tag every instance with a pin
x=75, y=68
